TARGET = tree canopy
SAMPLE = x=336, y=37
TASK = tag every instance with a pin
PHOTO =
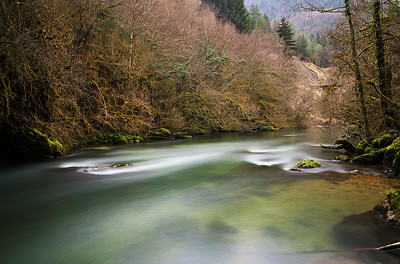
x=233, y=11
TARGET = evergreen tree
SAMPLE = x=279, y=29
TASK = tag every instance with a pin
x=267, y=23
x=285, y=32
x=233, y=11
x=257, y=20
x=302, y=46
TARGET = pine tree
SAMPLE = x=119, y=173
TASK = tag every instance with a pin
x=257, y=20
x=285, y=32
x=302, y=46
x=233, y=11
x=267, y=23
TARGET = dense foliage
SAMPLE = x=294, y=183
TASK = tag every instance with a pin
x=258, y=20
x=71, y=69
x=233, y=11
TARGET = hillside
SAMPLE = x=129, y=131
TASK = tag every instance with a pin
x=308, y=22
x=91, y=71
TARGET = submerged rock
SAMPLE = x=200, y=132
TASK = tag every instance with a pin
x=342, y=158
x=308, y=164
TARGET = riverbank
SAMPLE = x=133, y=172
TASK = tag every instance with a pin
x=389, y=209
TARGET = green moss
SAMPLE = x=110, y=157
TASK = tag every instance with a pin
x=113, y=138
x=308, y=164
x=53, y=147
x=391, y=151
x=396, y=164
x=199, y=131
x=163, y=132
x=383, y=141
x=393, y=198
x=30, y=142
x=178, y=135
x=342, y=158
x=372, y=157
x=361, y=147
x=267, y=129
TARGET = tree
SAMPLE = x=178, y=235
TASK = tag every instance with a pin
x=267, y=23
x=356, y=68
x=302, y=46
x=233, y=11
x=384, y=71
x=285, y=32
x=257, y=20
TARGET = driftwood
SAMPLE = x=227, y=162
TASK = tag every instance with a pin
x=332, y=146
x=386, y=248
x=341, y=143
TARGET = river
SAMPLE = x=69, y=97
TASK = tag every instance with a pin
x=228, y=198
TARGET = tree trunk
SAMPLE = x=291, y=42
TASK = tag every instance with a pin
x=384, y=71
x=357, y=71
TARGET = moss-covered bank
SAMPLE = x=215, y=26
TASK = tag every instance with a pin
x=390, y=208
x=27, y=142
x=383, y=150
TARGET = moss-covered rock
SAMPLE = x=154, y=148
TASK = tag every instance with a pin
x=267, y=129
x=390, y=208
x=181, y=135
x=46, y=146
x=308, y=164
x=391, y=151
x=342, y=158
x=30, y=142
x=396, y=164
x=372, y=157
x=383, y=141
x=361, y=147
x=346, y=145
x=162, y=133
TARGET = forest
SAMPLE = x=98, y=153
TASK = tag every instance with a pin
x=71, y=70
x=80, y=72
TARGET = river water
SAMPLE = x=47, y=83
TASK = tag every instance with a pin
x=212, y=199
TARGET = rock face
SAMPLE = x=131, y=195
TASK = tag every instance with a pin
x=308, y=164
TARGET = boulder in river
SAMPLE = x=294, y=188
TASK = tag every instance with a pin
x=308, y=164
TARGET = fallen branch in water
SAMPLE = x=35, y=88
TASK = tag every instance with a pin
x=386, y=248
